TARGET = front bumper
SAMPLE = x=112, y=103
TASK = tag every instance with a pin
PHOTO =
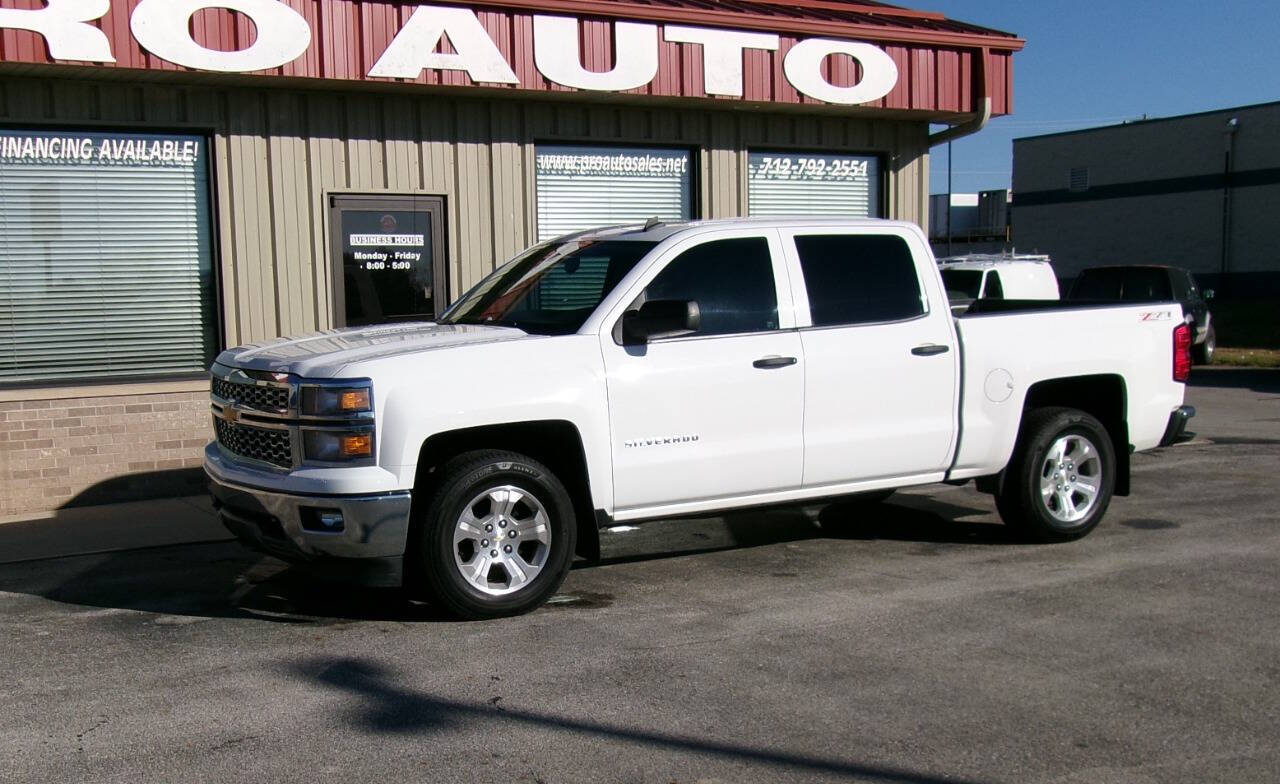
x=1176, y=432
x=368, y=550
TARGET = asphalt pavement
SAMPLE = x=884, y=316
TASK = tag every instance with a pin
x=915, y=642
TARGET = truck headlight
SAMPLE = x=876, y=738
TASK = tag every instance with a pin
x=336, y=446
x=336, y=401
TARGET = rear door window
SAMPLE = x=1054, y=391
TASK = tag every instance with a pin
x=859, y=279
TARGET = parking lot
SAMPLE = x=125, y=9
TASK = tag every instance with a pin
x=915, y=643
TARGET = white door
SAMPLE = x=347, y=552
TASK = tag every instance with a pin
x=719, y=413
x=880, y=363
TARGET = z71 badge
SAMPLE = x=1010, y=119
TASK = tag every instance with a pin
x=1155, y=315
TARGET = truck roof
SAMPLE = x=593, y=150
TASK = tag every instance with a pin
x=990, y=260
x=659, y=231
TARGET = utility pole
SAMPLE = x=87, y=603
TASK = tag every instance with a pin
x=948, y=197
x=1233, y=125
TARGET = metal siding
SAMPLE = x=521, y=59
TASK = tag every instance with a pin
x=475, y=208
x=295, y=276
x=225, y=230
x=509, y=225
x=403, y=172
x=723, y=166
x=326, y=167
x=253, y=235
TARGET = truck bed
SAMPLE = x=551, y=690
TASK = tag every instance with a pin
x=988, y=307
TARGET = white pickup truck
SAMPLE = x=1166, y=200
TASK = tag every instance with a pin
x=636, y=373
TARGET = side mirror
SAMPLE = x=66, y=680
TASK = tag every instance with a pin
x=1208, y=294
x=660, y=318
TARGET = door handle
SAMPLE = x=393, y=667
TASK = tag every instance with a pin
x=770, y=363
x=931, y=350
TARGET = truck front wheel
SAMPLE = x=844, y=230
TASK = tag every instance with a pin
x=496, y=538
x=1059, y=481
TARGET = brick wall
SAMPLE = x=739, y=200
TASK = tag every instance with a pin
x=91, y=450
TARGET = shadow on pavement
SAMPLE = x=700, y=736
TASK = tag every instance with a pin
x=902, y=518
x=1266, y=380
x=915, y=519
x=385, y=706
x=226, y=580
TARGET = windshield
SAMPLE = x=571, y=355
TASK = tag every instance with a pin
x=550, y=289
x=962, y=284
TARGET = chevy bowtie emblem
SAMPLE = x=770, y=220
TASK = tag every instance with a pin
x=231, y=415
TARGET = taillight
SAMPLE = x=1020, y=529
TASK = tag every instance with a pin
x=1182, y=352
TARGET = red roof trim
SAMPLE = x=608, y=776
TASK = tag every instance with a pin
x=861, y=8
x=808, y=25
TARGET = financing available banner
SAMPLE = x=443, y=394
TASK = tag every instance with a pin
x=61, y=147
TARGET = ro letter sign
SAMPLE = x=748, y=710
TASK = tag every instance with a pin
x=163, y=28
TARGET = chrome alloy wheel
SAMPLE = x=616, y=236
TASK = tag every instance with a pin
x=1070, y=479
x=502, y=540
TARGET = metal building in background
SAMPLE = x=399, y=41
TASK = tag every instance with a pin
x=178, y=176
x=1200, y=191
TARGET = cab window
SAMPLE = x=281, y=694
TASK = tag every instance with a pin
x=731, y=280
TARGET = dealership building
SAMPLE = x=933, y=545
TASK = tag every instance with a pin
x=180, y=176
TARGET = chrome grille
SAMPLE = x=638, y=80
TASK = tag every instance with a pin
x=255, y=443
x=262, y=398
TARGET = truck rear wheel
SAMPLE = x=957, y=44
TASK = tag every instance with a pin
x=1203, y=353
x=497, y=537
x=1059, y=481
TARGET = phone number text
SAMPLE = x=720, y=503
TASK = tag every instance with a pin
x=797, y=168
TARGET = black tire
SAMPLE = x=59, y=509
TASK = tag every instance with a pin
x=438, y=572
x=1203, y=353
x=1047, y=518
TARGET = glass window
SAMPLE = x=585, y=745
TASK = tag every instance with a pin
x=1101, y=283
x=106, y=256
x=962, y=283
x=806, y=184
x=1182, y=285
x=994, y=289
x=550, y=289
x=1128, y=284
x=388, y=258
x=1147, y=284
x=580, y=187
x=859, y=279
x=732, y=282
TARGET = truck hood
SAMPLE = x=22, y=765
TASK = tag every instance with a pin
x=325, y=354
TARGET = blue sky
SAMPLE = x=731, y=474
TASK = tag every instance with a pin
x=1092, y=62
